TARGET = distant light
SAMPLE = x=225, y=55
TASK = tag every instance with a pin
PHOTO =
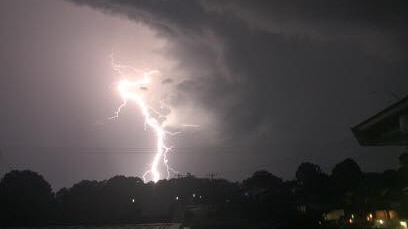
x=370, y=217
x=201, y=197
x=133, y=200
x=194, y=195
x=352, y=216
x=350, y=220
x=177, y=198
x=380, y=221
x=403, y=224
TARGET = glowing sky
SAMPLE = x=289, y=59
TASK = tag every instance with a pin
x=270, y=84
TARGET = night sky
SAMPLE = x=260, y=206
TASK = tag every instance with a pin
x=270, y=83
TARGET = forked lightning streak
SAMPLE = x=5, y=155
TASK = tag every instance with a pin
x=133, y=91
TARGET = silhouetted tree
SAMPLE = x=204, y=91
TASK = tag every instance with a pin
x=261, y=200
x=25, y=199
x=347, y=175
x=403, y=180
x=81, y=203
x=308, y=174
x=268, y=198
x=403, y=159
x=348, y=179
x=391, y=178
x=263, y=180
x=312, y=182
x=403, y=170
x=313, y=190
x=116, y=200
x=122, y=196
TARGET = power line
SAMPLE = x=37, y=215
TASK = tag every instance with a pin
x=124, y=150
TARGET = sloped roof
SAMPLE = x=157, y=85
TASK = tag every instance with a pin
x=384, y=128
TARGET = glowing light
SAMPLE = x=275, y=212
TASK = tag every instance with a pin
x=403, y=224
x=132, y=86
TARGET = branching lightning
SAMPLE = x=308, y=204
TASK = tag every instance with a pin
x=132, y=90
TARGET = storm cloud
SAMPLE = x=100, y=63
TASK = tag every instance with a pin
x=284, y=72
x=271, y=83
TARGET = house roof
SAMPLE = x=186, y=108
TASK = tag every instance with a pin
x=385, y=127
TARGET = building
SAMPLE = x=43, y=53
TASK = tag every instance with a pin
x=388, y=127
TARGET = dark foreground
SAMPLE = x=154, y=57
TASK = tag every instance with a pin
x=343, y=199
x=134, y=226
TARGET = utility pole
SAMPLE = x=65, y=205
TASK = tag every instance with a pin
x=212, y=175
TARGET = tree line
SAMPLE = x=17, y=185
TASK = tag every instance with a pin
x=26, y=198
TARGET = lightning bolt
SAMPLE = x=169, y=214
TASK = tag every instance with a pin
x=132, y=91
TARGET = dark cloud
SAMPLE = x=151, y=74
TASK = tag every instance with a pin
x=230, y=48
x=282, y=81
x=283, y=76
x=369, y=23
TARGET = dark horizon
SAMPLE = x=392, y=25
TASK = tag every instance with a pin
x=346, y=197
